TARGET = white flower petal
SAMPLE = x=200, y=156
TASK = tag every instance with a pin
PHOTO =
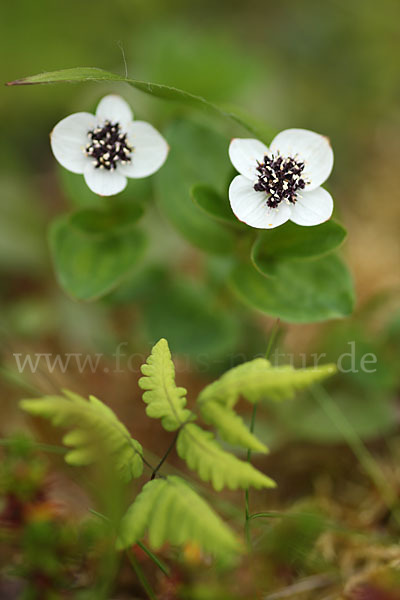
x=244, y=154
x=250, y=206
x=103, y=182
x=114, y=108
x=69, y=138
x=312, y=208
x=312, y=148
x=150, y=150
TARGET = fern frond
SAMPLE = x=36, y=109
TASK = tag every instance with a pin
x=173, y=512
x=94, y=425
x=257, y=380
x=230, y=426
x=164, y=399
x=204, y=455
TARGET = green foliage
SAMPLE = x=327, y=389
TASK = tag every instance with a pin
x=81, y=74
x=93, y=426
x=164, y=399
x=300, y=292
x=214, y=204
x=291, y=241
x=198, y=155
x=257, y=380
x=106, y=220
x=254, y=380
x=230, y=426
x=172, y=512
x=204, y=455
x=89, y=258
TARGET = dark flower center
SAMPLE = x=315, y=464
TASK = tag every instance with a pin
x=108, y=147
x=280, y=178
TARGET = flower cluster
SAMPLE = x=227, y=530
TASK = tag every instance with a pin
x=274, y=185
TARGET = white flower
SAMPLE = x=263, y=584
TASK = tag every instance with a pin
x=109, y=146
x=283, y=182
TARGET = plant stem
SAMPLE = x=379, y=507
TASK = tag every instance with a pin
x=267, y=515
x=140, y=575
x=272, y=338
x=160, y=564
x=361, y=452
x=164, y=458
x=246, y=493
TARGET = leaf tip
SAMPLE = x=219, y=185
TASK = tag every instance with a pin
x=18, y=82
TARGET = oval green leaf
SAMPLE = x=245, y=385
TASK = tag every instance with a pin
x=88, y=267
x=103, y=221
x=300, y=292
x=291, y=241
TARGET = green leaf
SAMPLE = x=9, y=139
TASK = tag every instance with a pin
x=198, y=155
x=291, y=241
x=257, y=380
x=94, y=426
x=230, y=426
x=204, y=455
x=103, y=221
x=190, y=317
x=84, y=74
x=300, y=291
x=172, y=512
x=164, y=399
x=89, y=266
x=214, y=204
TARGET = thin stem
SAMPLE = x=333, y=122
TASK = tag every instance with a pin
x=367, y=461
x=164, y=458
x=100, y=515
x=160, y=564
x=272, y=338
x=140, y=575
x=246, y=493
x=267, y=515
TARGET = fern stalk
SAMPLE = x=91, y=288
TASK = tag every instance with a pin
x=271, y=340
x=140, y=575
x=164, y=458
x=161, y=565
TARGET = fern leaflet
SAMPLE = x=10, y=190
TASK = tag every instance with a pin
x=94, y=425
x=257, y=379
x=164, y=399
x=230, y=426
x=204, y=455
x=173, y=512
